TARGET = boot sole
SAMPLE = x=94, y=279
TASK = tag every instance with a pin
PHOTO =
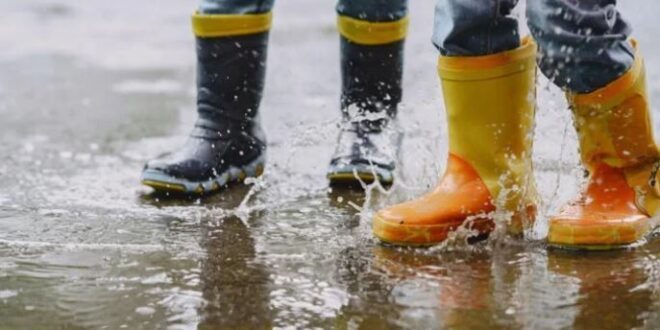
x=576, y=247
x=423, y=236
x=162, y=182
x=367, y=174
x=612, y=236
x=341, y=179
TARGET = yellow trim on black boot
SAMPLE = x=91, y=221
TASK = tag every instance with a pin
x=372, y=33
x=227, y=25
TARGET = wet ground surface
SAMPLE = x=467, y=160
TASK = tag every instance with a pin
x=89, y=90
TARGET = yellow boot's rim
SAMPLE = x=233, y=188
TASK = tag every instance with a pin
x=485, y=67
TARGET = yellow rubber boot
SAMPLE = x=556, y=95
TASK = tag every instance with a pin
x=618, y=149
x=490, y=102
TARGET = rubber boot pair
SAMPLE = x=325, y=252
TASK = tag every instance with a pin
x=227, y=143
x=490, y=103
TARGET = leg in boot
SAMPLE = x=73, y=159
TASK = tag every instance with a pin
x=227, y=143
x=372, y=39
x=603, y=74
x=489, y=99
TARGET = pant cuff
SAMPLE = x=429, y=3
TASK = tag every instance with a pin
x=613, y=92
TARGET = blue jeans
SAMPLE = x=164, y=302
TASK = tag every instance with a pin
x=583, y=44
x=368, y=10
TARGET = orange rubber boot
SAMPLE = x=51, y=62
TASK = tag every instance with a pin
x=490, y=112
x=618, y=149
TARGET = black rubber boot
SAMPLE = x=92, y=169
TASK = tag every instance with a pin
x=227, y=143
x=369, y=140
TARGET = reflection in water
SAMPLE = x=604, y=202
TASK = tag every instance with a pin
x=616, y=290
x=368, y=302
x=234, y=284
x=235, y=287
x=498, y=287
x=449, y=290
x=368, y=306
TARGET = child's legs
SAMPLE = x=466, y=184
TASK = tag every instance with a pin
x=373, y=10
x=235, y=6
x=583, y=44
x=475, y=27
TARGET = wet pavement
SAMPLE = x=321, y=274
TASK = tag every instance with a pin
x=89, y=90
